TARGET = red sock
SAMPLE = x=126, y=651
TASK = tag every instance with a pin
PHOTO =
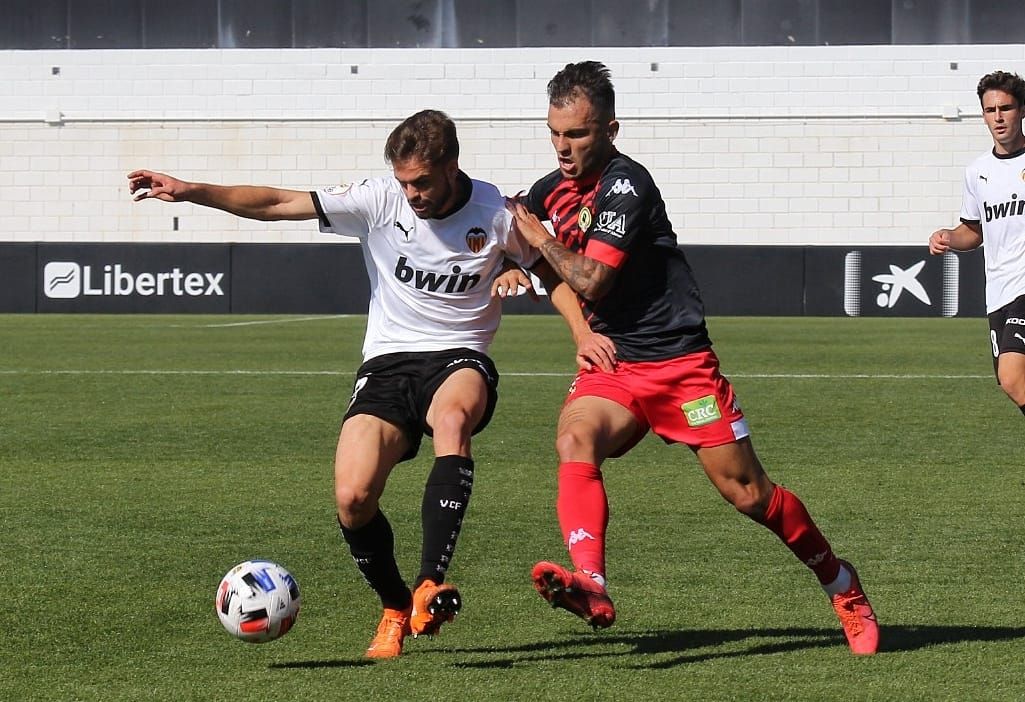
x=789, y=520
x=583, y=510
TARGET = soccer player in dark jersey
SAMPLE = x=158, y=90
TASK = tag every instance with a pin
x=992, y=203
x=646, y=361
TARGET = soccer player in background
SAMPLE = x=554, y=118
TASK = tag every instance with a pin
x=436, y=246
x=993, y=207
x=646, y=361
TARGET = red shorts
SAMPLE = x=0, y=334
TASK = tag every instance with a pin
x=682, y=400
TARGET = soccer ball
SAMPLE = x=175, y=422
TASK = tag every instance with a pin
x=257, y=601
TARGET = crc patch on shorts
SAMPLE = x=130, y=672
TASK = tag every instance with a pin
x=701, y=411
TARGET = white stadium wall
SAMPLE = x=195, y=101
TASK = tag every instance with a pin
x=757, y=146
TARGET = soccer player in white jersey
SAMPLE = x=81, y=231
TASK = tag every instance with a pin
x=439, y=251
x=993, y=210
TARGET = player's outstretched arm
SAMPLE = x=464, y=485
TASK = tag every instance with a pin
x=963, y=237
x=590, y=278
x=250, y=201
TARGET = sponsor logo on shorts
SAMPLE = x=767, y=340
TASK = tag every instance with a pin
x=474, y=362
x=701, y=411
x=1018, y=321
x=360, y=384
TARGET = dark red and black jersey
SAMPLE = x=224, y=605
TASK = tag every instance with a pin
x=654, y=309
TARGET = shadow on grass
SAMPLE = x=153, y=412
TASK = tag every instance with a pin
x=309, y=665
x=695, y=646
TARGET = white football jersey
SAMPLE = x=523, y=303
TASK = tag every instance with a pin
x=994, y=195
x=430, y=279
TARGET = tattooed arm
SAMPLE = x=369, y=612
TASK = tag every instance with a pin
x=589, y=278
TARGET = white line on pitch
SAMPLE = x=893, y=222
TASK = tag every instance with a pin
x=288, y=320
x=780, y=376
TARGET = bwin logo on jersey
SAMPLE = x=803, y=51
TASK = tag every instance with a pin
x=610, y=223
x=622, y=186
x=454, y=282
x=1011, y=208
x=476, y=238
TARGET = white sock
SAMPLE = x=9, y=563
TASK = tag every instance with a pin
x=841, y=584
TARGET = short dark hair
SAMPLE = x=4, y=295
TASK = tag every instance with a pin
x=1010, y=83
x=429, y=136
x=589, y=79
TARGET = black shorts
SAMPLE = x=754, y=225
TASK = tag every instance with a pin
x=1007, y=329
x=399, y=388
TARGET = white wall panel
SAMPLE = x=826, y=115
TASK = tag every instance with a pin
x=750, y=145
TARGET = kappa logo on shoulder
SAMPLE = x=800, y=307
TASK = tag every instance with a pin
x=622, y=186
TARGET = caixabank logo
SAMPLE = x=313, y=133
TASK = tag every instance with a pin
x=885, y=283
x=69, y=280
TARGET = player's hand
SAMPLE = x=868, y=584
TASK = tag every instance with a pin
x=147, y=184
x=508, y=282
x=939, y=242
x=527, y=222
x=596, y=350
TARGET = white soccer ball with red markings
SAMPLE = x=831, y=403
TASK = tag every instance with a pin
x=258, y=601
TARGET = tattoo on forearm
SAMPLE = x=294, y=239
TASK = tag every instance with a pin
x=578, y=271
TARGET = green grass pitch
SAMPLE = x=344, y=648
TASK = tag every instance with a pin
x=142, y=456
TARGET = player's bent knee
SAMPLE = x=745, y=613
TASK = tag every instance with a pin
x=1011, y=376
x=453, y=423
x=749, y=499
x=355, y=507
x=751, y=506
x=1017, y=395
x=1014, y=386
x=572, y=445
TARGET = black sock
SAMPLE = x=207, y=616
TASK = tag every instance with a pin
x=445, y=497
x=1022, y=408
x=373, y=548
